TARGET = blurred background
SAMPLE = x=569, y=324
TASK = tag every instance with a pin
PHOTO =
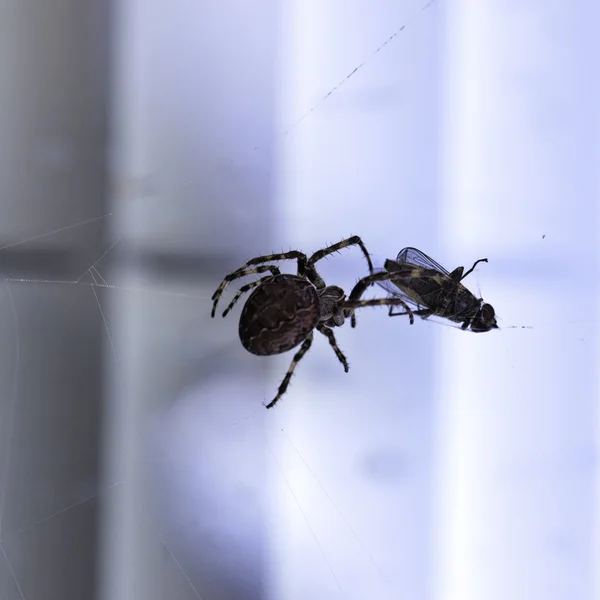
x=148, y=150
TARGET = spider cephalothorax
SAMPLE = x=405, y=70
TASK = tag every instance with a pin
x=283, y=310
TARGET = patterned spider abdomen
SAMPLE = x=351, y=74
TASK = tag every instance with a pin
x=278, y=315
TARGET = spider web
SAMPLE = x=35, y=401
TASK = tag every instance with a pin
x=338, y=542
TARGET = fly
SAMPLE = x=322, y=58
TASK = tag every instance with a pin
x=420, y=281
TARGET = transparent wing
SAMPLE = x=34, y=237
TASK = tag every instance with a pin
x=412, y=256
x=394, y=290
x=390, y=288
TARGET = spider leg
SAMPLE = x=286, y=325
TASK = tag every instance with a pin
x=351, y=241
x=290, y=255
x=381, y=302
x=236, y=275
x=364, y=283
x=471, y=269
x=286, y=380
x=423, y=313
x=311, y=272
x=249, y=286
x=328, y=333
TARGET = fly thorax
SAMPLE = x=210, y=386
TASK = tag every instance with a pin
x=461, y=306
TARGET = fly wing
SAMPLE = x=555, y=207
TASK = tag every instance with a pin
x=397, y=291
x=412, y=256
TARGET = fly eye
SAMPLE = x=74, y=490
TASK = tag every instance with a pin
x=487, y=312
x=479, y=325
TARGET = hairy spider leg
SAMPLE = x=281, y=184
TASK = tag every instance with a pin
x=424, y=312
x=245, y=270
x=354, y=304
x=351, y=241
x=328, y=333
x=252, y=284
x=364, y=283
x=471, y=269
x=360, y=288
x=319, y=254
x=297, y=358
x=289, y=255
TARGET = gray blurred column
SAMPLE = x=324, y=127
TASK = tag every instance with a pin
x=54, y=72
x=193, y=121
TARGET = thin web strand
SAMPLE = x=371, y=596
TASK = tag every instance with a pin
x=312, y=531
x=101, y=257
x=94, y=270
x=339, y=512
x=357, y=68
x=12, y=571
x=170, y=553
x=107, y=286
x=54, y=231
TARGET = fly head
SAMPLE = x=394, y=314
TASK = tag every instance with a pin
x=485, y=320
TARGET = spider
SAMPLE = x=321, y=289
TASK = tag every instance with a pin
x=283, y=310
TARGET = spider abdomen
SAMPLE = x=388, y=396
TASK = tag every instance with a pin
x=278, y=315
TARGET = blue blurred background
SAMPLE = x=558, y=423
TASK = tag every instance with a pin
x=148, y=150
